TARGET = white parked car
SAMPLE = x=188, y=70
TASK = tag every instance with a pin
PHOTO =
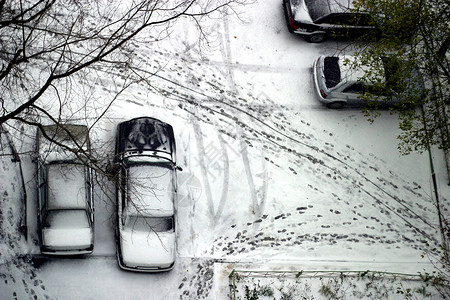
x=65, y=203
x=146, y=191
x=337, y=84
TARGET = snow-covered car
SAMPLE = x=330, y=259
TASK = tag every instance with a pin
x=65, y=190
x=337, y=84
x=146, y=191
x=315, y=20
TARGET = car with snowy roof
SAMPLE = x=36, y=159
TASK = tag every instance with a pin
x=341, y=81
x=315, y=20
x=65, y=190
x=146, y=191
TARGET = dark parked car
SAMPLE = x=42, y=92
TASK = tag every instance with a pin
x=315, y=20
x=146, y=190
x=65, y=203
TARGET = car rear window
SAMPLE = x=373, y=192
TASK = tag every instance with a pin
x=149, y=224
x=393, y=71
x=331, y=71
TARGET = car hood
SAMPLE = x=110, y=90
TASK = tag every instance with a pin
x=147, y=249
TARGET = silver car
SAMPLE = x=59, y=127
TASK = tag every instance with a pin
x=65, y=208
x=337, y=84
x=146, y=191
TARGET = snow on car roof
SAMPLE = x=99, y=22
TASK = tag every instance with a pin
x=66, y=186
x=150, y=190
x=348, y=73
x=320, y=8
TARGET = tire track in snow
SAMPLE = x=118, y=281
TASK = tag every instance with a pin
x=229, y=65
x=226, y=105
x=404, y=215
x=360, y=174
x=257, y=206
x=276, y=129
x=213, y=214
x=280, y=130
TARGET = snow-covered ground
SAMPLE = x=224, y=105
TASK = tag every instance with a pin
x=271, y=179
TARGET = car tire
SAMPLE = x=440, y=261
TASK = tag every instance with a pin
x=335, y=105
x=315, y=38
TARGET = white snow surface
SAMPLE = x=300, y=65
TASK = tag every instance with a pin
x=12, y=203
x=272, y=180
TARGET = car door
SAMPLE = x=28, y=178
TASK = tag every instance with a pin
x=120, y=198
x=358, y=24
x=42, y=192
x=352, y=93
x=90, y=193
x=334, y=25
x=121, y=193
x=347, y=24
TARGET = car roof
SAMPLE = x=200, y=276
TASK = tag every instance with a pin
x=348, y=74
x=150, y=190
x=321, y=8
x=66, y=186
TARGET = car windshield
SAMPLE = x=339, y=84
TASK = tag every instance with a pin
x=331, y=71
x=141, y=223
x=321, y=8
x=66, y=219
x=402, y=77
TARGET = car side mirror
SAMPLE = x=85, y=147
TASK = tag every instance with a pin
x=112, y=168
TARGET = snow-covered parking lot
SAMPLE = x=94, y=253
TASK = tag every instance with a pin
x=272, y=180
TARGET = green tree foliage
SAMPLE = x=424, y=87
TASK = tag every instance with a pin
x=415, y=36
